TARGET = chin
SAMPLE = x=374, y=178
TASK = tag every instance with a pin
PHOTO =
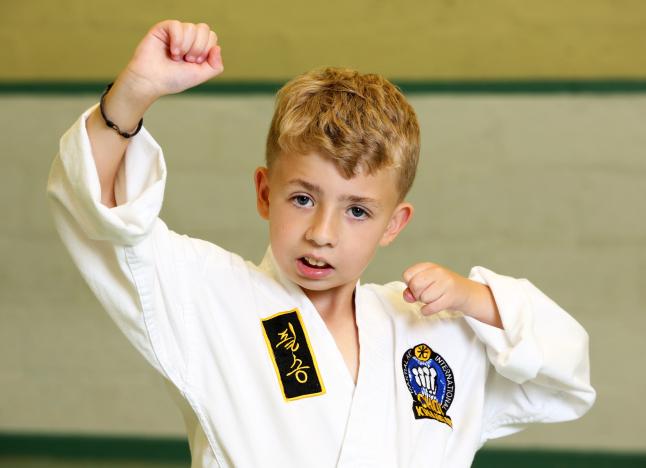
x=313, y=285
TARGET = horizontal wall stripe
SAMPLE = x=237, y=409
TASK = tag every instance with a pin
x=618, y=86
x=94, y=446
x=176, y=450
x=535, y=458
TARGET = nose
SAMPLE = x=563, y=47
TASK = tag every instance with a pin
x=323, y=229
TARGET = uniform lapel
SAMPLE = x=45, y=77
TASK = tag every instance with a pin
x=370, y=417
x=367, y=441
x=336, y=377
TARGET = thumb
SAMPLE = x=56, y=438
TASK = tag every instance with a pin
x=214, y=59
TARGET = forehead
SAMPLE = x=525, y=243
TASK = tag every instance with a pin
x=290, y=169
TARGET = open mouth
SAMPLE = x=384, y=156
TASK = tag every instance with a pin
x=313, y=268
x=314, y=263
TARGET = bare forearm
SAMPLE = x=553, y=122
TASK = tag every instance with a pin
x=482, y=305
x=125, y=104
x=172, y=57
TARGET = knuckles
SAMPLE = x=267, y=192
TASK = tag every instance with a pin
x=416, y=285
x=433, y=285
x=183, y=25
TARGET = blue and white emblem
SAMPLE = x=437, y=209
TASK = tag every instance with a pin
x=430, y=382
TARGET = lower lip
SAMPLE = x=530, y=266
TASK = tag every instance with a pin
x=312, y=273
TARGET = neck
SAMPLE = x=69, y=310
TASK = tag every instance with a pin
x=333, y=304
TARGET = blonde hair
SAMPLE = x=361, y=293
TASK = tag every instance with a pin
x=359, y=121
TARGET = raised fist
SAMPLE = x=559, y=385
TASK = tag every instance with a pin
x=173, y=57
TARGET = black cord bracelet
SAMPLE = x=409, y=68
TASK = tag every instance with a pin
x=113, y=125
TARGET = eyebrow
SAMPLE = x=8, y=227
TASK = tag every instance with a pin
x=318, y=191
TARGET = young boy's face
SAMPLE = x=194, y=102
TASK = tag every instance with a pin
x=324, y=229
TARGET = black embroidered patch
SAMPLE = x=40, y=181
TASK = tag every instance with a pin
x=292, y=356
x=430, y=382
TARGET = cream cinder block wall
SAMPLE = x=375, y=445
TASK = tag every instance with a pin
x=550, y=188
x=91, y=39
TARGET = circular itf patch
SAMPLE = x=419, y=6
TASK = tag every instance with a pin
x=430, y=382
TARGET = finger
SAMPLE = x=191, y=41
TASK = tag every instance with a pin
x=176, y=37
x=427, y=378
x=212, y=40
x=215, y=59
x=421, y=281
x=431, y=293
x=413, y=270
x=199, y=43
x=188, y=38
x=415, y=373
x=433, y=307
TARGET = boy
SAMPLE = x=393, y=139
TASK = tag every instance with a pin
x=295, y=362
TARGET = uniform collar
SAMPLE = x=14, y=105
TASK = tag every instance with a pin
x=270, y=266
x=371, y=326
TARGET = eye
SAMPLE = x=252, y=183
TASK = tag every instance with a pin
x=359, y=213
x=302, y=200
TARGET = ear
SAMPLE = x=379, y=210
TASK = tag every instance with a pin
x=261, y=179
x=398, y=220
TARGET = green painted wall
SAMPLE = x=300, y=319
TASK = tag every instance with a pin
x=431, y=39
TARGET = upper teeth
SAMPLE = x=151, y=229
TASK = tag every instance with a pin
x=313, y=261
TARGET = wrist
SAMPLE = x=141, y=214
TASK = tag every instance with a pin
x=124, y=103
x=138, y=90
x=482, y=306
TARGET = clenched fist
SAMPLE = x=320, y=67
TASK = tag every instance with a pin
x=173, y=57
x=439, y=288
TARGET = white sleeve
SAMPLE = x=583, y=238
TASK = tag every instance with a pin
x=136, y=266
x=542, y=370
x=139, y=186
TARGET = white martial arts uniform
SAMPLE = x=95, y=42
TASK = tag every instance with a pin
x=256, y=390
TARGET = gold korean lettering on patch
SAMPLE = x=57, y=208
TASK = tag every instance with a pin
x=292, y=356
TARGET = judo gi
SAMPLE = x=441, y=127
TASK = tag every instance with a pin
x=257, y=374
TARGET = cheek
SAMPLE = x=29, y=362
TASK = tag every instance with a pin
x=277, y=230
x=371, y=232
x=281, y=225
x=365, y=240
